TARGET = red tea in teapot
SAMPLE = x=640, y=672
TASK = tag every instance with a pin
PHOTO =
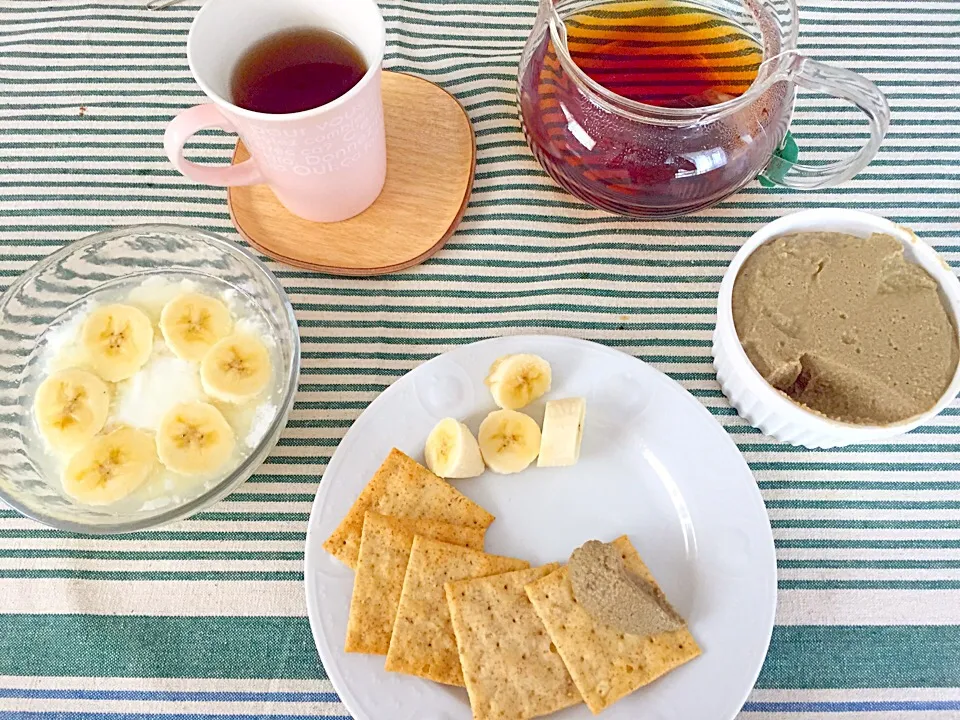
x=670, y=55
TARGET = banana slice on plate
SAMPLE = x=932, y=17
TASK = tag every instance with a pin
x=71, y=407
x=509, y=441
x=562, y=432
x=192, y=323
x=515, y=381
x=194, y=439
x=452, y=451
x=118, y=340
x=110, y=466
x=236, y=369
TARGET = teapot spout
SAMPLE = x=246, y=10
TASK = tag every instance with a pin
x=548, y=14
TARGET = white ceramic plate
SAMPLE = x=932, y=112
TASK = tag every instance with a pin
x=654, y=465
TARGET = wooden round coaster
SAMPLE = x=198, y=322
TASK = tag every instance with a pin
x=430, y=162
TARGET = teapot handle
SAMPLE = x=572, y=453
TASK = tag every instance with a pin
x=839, y=83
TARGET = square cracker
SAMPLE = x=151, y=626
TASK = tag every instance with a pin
x=423, y=642
x=511, y=668
x=403, y=488
x=606, y=664
x=384, y=551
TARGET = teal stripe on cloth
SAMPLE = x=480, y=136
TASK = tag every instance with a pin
x=804, y=656
x=863, y=657
x=158, y=647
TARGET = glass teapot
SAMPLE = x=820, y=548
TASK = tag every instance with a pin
x=658, y=108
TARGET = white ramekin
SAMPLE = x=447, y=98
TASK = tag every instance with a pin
x=770, y=410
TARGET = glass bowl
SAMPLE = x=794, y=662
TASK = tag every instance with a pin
x=64, y=281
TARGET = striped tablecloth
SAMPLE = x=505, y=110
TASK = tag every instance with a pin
x=206, y=618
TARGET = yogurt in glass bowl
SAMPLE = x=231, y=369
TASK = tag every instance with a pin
x=124, y=279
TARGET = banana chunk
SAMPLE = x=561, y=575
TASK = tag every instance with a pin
x=194, y=439
x=118, y=340
x=515, y=381
x=509, y=441
x=192, y=323
x=562, y=432
x=71, y=407
x=452, y=451
x=236, y=369
x=110, y=466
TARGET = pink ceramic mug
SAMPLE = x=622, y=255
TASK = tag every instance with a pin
x=325, y=164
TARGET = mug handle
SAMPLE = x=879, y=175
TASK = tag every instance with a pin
x=839, y=83
x=184, y=126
